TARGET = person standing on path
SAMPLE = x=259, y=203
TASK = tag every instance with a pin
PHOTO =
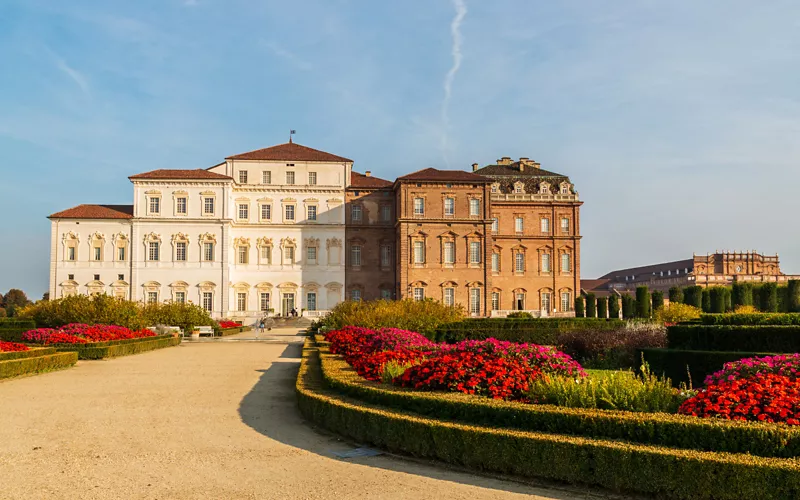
x=261, y=327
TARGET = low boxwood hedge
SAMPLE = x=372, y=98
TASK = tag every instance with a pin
x=116, y=348
x=663, y=429
x=673, y=363
x=750, y=338
x=617, y=465
x=537, y=330
x=230, y=331
x=751, y=319
x=37, y=364
x=30, y=353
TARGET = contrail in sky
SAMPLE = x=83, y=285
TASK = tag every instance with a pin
x=455, y=32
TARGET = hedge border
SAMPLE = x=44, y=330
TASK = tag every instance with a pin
x=672, y=363
x=749, y=338
x=117, y=348
x=620, y=466
x=30, y=353
x=543, y=331
x=677, y=431
x=37, y=364
x=750, y=319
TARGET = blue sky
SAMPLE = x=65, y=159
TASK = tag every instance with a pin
x=678, y=121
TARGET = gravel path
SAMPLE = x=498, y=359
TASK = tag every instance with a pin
x=201, y=420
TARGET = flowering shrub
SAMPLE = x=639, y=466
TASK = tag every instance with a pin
x=545, y=359
x=471, y=373
x=371, y=367
x=675, y=312
x=389, y=339
x=765, y=397
x=782, y=364
x=79, y=333
x=613, y=349
x=12, y=346
x=228, y=324
x=350, y=341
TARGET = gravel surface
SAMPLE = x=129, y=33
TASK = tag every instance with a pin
x=213, y=420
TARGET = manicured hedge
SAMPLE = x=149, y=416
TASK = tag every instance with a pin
x=675, y=431
x=538, y=330
x=116, y=348
x=37, y=364
x=230, y=331
x=17, y=323
x=673, y=362
x=766, y=338
x=12, y=329
x=620, y=466
x=30, y=353
x=751, y=319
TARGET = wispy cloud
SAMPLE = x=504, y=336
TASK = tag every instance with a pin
x=292, y=58
x=76, y=76
x=455, y=33
x=190, y=3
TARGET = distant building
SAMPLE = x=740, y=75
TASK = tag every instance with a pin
x=719, y=268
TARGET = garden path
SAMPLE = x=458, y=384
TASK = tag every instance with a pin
x=213, y=420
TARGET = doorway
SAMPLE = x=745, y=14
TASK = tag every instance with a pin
x=287, y=304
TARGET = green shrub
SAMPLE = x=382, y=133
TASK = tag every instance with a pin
x=520, y=315
x=693, y=296
x=677, y=312
x=591, y=305
x=717, y=297
x=658, y=300
x=642, y=302
x=30, y=353
x=542, y=331
x=742, y=294
x=793, y=290
x=768, y=297
x=766, y=338
x=602, y=307
x=613, y=306
x=36, y=364
x=675, y=295
x=706, y=296
x=751, y=319
x=117, y=348
x=422, y=316
x=580, y=310
x=678, y=364
x=628, y=307
x=612, y=349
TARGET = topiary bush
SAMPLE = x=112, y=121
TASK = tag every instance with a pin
x=675, y=295
x=591, y=305
x=602, y=307
x=422, y=316
x=642, y=302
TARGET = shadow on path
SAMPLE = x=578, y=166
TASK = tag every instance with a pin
x=270, y=408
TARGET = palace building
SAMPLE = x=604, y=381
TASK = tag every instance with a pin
x=291, y=227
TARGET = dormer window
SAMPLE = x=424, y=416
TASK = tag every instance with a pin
x=495, y=187
x=564, y=188
x=519, y=187
x=544, y=188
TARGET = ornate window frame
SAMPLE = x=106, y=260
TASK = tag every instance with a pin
x=470, y=239
x=418, y=237
x=239, y=244
x=544, y=188
x=149, y=238
x=70, y=240
x=179, y=238
x=515, y=251
x=308, y=203
x=263, y=244
x=519, y=187
x=311, y=243
x=330, y=244
x=285, y=203
x=179, y=286
x=208, y=195
x=265, y=202
x=284, y=245
x=97, y=240
x=149, y=287
x=175, y=196
x=448, y=285
x=241, y=288
x=470, y=198
x=202, y=240
x=239, y=203
x=445, y=238
x=149, y=195
x=120, y=240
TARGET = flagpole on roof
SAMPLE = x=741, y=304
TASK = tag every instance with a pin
x=291, y=133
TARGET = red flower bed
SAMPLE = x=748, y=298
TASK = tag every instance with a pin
x=78, y=333
x=352, y=342
x=12, y=346
x=371, y=367
x=471, y=373
x=765, y=397
x=228, y=324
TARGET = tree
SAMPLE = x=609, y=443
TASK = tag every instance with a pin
x=728, y=299
x=742, y=294
x=642, y=302
x=675, y=295
x=602, y=307
x=693, y=296
x=794, y=295
x=628, y=306
x=591, y=305
x=769, y=297
x=717, y=299
x=613, y=306
x=579, y=310
x=46, y=296
x=705, y=297
x=14, y=300
x=658, y=300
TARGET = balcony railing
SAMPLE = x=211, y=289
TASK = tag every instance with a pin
x=533, y=197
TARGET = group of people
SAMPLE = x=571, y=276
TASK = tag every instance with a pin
x=267, y=322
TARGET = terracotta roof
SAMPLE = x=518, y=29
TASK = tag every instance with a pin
x=362, y=181
x=592, y=285
x=433, y=174
x=96, y=212
x=290, y=152
x=180, y=174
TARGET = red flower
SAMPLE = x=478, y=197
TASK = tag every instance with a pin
x=12, y=346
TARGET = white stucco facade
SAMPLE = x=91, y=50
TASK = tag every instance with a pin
x=245, y=238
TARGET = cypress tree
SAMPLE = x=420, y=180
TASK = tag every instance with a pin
x=628, y=306
x=675, y=295
x=737, y=294
x=769, y=297
x=728, y=299
x=717, y=299
x=705, y=300
x=658, y=300
x=642, y=302
x=693, y=296
x=613, y=306
x=602, y=307
x=755, y=295
x=794, y=295
x=579, y=312
x=591, y=305
x=783, y=299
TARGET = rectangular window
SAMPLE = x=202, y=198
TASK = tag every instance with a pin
x=244, y=211
x=98, y=253
x=386, y=213
x=180, y=297
x=494, y=188
x=450, y=296
x=386, y=294
x=475, y=300
x=208, y=206
x=386, y=256
x=266, y=177
x=419, y=252
x=71, y=253
x=519, y=225
x=449, y=206
x=565, y=264
x=419, y=294
x=180, y=251
x=546, y=263
x=565, y=302
x=355, y=295
x=263, y=301
x=419, y=206
x=312, y=212
x=121, y=254
x=474, y=252
x=311, y=255
x=312, y=178
x=495, y=301
x=241, y=301
x=242, y=176
x=266, y=212
x=564, y=225
x=152, y=297
x=474, y=207
x=208, y=252
x=355, y=213
x=311, y=301
x=290, y=178
x=208, y=301
x=495, y=262
x=519, y=262
x=495, y=224
x=153, y=251
x=449, y=253
x=546, y=301
x=121, y=277
x=545, y=225
x=180, y=206
x=266, y=255
x=97, y=277
x=288, y=255
x=242, y=253
x=289, y=212
x=519, y=301
x=355, y=256
x=155, y=205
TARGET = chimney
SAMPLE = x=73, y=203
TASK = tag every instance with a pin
x=521, y=167
x=368, y=173
x=506, y=160
x=474, y=167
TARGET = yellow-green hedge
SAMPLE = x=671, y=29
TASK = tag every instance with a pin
x=116, y=348
x=30, y=353
x=678, y=431
x=37, y=364
x=620, y=466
